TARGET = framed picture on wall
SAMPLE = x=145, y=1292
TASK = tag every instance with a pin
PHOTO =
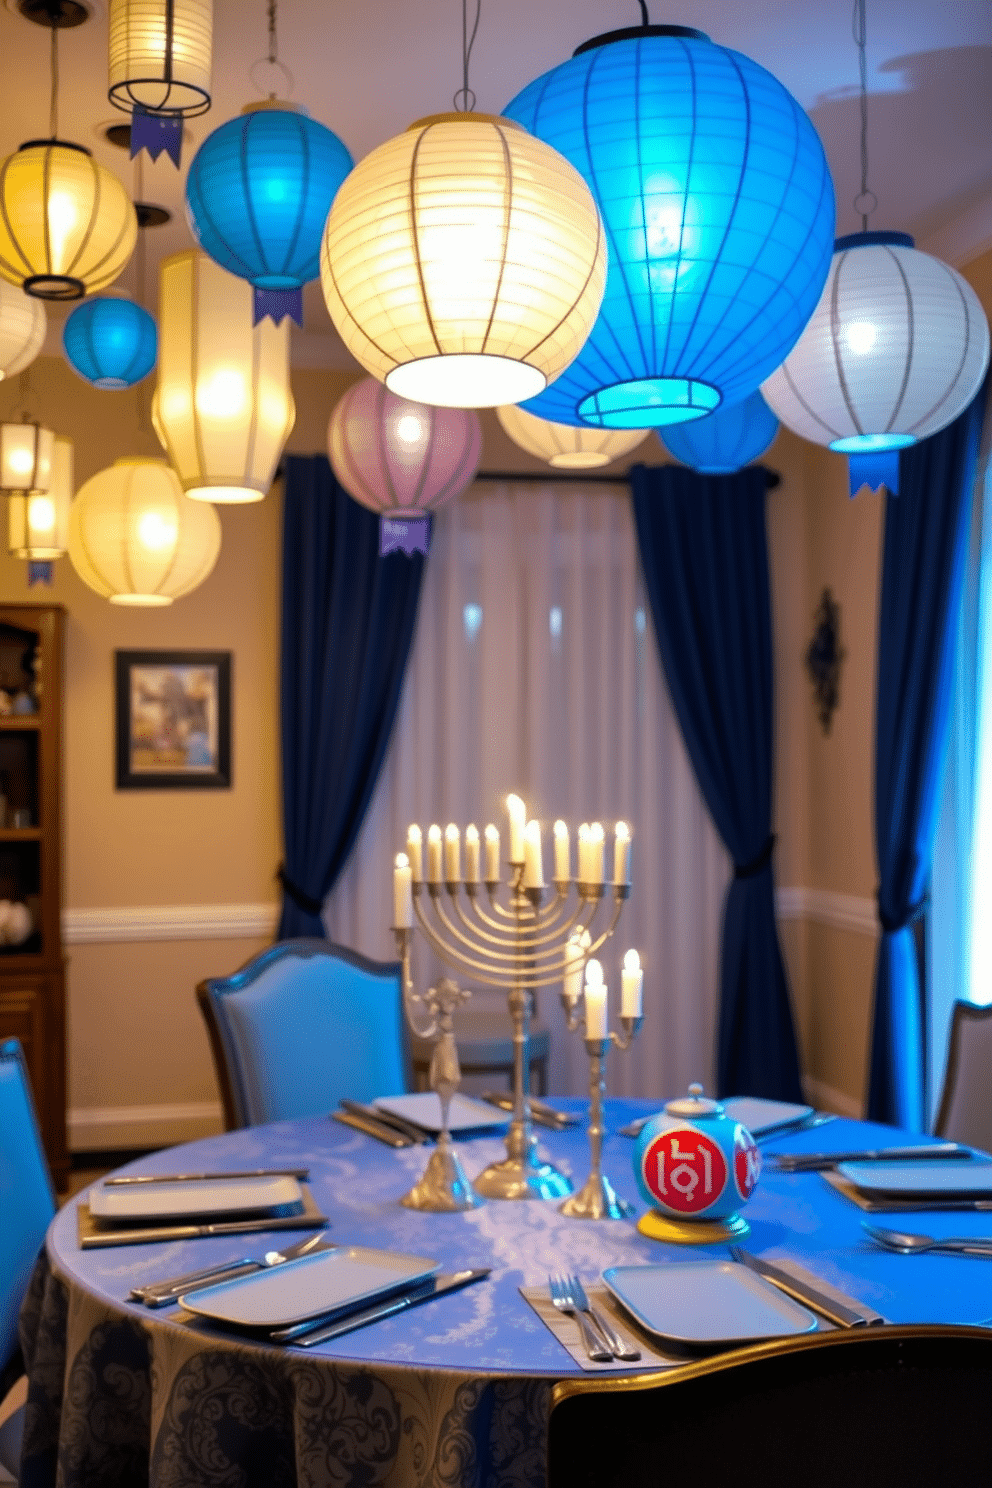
x=173, y=720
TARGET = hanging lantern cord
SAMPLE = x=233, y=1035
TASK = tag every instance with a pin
x=272, y=60
x=53, y=108
x=645, y=21
x=866, y=201
x=465, y=93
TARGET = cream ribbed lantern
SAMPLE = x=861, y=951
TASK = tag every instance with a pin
x=565, y=447
x=136, y=539
x=27, y=452
x=38, y=521
x=223, y=407
x=160, y=55
x=463, y=262
x=23, y=323
x=67, y=226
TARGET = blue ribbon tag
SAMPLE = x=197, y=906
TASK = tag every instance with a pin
x=278, y=302
x=40, y=573
x=407, y=535
x=155, y=133
x=873, y=469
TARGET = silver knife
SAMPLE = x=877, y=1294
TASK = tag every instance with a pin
x=301, y=1173
x=417, y=1134
x=303, y=1335
x=814, y=1162
x=541, y=1114
x=373, y=1128
x=825, y=1299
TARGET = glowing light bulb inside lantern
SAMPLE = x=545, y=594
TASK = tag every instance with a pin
x=62, y=219
x=155, y=533
x=409, y=429
x=41, y=514
x=21, y=461
x=861, y=336
x=222, y=395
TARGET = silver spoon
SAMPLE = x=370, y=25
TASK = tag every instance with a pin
x=909, y=1244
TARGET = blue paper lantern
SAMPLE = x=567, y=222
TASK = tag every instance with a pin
x=257, y=196
x=719, y=212
x=725, y=441
x=110, y=342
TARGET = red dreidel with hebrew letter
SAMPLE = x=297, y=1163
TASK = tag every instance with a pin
x=696, y=1167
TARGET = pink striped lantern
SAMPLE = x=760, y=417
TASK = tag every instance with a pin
x=401, y=459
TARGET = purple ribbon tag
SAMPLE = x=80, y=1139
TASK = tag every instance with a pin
x=873, y=469
x=155, y=133
x=40, y=573
x=407, y=535
x=278, y=302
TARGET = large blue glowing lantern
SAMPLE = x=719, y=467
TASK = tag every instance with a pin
x=257, y=196
x=110, y=342
x=719, y=212
x=725, y=441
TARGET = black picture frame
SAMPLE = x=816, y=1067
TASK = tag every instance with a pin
x=173, y=720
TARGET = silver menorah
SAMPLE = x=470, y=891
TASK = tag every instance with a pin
x=535, y=939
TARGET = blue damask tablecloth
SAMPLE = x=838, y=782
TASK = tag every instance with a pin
x=456, y=1392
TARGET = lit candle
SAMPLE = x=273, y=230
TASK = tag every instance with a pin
x=492, y=854
x=597, y=838
x=578, y=943
x=472, y=854
x=452, y=854
x=533, y=860
x=584, y=853
x=517, y=812
x=402, y=893
x=621, y=854
x=595, y=1001
x=562, y=854
x=414, y=849
x=631, y=986
x=434, y=854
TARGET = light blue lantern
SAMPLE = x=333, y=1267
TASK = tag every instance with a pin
x=724, y=441
x=257, y=196
x=110, y=342
x=719, y=212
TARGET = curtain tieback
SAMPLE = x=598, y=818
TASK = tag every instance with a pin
x=756, y=864
x=301, y=899
x=899, y=922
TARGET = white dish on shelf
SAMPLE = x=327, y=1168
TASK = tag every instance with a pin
x=424, y=1109
x=761, y=1116
x=277, y=1195
x=706, y=1303
x=955, y=1178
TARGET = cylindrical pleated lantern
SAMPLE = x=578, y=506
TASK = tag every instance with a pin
x=160, y=55
x=564, y=445
x=110, y=342
x=398, y=457
x=718, y=207
x=23, y=323
x=463, y=262
x=67, y=226
x=136, y=539
x=725, y=441
x=223, y=407
x=38, y=522
x=27, y=452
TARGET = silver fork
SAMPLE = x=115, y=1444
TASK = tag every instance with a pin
x=161, y=1293
x=562, y=1299
x=619, y=1347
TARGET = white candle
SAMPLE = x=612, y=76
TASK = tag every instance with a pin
x=492, y=854
x=562, y=853
x=631, y=986
x=578, y=943
x=472, y=853
x=584, y=853
x=596, y=840
x=621, y=854
x=402, y=893
x=434, y=854
x=414, y=849
x=595, y=1001
x=517, y=812
x=533, y=858
x=452, y=854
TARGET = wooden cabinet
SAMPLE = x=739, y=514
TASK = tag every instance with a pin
x=32, y=965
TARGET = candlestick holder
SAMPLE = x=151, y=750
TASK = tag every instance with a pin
x=597, y=1198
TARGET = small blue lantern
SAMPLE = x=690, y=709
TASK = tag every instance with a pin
x=719, y=211
x=257, y=196
x=725, y=441
x=110, y=342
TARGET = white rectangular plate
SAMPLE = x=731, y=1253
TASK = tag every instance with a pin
x=954, y=1179
x=315, y=1284
x=218, y=1196
x=760, y=1116
x=706, y=1302
x=424, y=1109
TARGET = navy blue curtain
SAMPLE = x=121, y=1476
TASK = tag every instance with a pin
x=926, y=529
x=348, y=619
x=705, y=559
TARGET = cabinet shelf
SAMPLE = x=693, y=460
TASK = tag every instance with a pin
x=20, y=722
x=20, y=834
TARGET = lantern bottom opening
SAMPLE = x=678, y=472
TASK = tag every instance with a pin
x=856, y=444
x=54, y=287
x=466, y=380
x=579, y=460
x=147, y=601
x=111, y=384
x=228, y=495
x=649, y=403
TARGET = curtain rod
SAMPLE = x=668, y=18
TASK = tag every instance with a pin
x=772, y=477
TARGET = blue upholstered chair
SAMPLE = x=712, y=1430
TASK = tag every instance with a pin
x=302, y=1024
x=27, y=1203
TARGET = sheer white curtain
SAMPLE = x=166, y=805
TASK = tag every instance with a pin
x=535, y=669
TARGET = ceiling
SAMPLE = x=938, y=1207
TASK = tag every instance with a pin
x=368, y=70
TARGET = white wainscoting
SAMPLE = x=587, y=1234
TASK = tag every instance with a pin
x=169, y=922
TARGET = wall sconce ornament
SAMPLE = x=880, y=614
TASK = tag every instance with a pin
x=824, y=655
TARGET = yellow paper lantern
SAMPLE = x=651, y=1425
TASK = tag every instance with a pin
x=135, y=537
x=160, y=55
x=67, y=226
x=23, y=323
x=26, y=455
x=463, y=262
x=38, y=521
x=562, y=445
x=223, y=408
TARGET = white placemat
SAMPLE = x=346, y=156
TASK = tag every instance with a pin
x=566, y=1330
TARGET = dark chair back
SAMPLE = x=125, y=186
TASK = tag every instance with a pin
x=965, y=1113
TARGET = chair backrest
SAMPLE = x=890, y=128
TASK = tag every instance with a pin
x=302, y=1024
x=965, y=1113
x=27, y=1198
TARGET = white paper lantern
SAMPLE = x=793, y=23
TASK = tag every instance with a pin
x=135, y=537
x=463, y=262
x=222, y=408
x=160, y=55
x=565, y=447
x=27, y=451
x=38, y=521
x=23, y=323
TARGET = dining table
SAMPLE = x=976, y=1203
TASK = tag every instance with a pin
x=454, y=1392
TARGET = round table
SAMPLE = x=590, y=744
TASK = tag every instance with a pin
x=453, y=1392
